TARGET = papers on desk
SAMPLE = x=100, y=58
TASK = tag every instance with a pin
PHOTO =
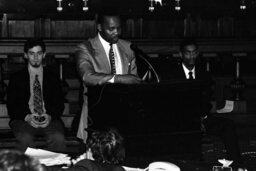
x=132, y=169
x=48, y=158
x=156, y=166
x=229, y=106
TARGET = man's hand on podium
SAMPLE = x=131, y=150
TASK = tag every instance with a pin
x=127, y=79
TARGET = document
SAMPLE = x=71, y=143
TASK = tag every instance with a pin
x=48, y=158
x=229, y=106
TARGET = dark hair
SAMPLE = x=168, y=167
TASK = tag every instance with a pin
x=107, y=146
x=104, y=12
x=30, y=43
x=12, y=160
x=187, y=41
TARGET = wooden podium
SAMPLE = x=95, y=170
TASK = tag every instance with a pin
x=153, y=118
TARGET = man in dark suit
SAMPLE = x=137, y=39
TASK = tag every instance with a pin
x=190, y=69
x=35, y=101
x=105, y=59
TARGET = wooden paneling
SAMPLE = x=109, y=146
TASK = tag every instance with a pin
x=21, y=28
x=133, y=27
x=71, y=29
x=150, y=46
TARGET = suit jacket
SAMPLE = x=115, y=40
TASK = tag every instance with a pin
x=177, y=72
x=94, y=69
x=18, y=94
x=92, y=61
x=88, y=165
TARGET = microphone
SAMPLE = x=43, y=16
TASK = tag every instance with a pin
x=137, y=50
x=144, y=56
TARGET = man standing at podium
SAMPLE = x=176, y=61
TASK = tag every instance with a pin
x=190, y=69
x=105, y=59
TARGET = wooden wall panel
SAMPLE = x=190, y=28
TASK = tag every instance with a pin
x=21, y=28
x=133, y=27
x=162, y=28
x=209, y=28
x=73, y=29
x=226, y=27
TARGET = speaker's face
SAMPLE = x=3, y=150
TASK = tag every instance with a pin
x=110, y=29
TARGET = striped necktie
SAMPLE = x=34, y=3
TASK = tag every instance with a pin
x=112, y=59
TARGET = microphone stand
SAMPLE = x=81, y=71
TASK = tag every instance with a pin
x=144, y=57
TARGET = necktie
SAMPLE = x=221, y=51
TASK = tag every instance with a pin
x=112, y=59
x=38, y=101
x=190, y=75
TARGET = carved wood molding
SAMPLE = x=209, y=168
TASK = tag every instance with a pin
x=152, y=46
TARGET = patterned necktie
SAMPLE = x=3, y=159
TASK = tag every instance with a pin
x=37, y=99
x=112, y=59
x=190, y=75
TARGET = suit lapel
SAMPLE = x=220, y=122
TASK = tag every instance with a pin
x=198, y=73
x=182, y=72
x=45, y=81
x=100, y=55
x=123, y=57
x=101, y=58
x=26, y=82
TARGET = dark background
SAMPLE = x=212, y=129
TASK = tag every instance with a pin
x=210, y=7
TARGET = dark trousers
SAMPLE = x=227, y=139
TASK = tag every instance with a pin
x=25, y=134
x=226, y=130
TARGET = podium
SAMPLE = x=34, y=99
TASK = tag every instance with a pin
x=151, y=117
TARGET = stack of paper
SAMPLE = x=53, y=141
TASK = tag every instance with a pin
x=132, y=169
x=49, y=158
x=229, y=106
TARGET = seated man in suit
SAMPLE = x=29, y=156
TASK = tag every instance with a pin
x=105, y=59
x=105, y=152
x=190, y=69
x=35, y=101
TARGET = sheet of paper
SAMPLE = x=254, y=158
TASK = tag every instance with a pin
x=133, y=169
x=229, y=106
x=48, y=158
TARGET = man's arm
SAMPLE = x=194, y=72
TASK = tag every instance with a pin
x=85, y=55
x=17, y=98
x=207, y=92
x=53, y=95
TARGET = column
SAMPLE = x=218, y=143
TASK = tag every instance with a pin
x=65, y=87
x=237, y=85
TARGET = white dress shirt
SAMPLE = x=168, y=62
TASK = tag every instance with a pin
x=187, y=71
x=118, y=63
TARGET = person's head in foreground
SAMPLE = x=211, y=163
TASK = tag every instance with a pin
x=12, y=160
x=106, y=146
